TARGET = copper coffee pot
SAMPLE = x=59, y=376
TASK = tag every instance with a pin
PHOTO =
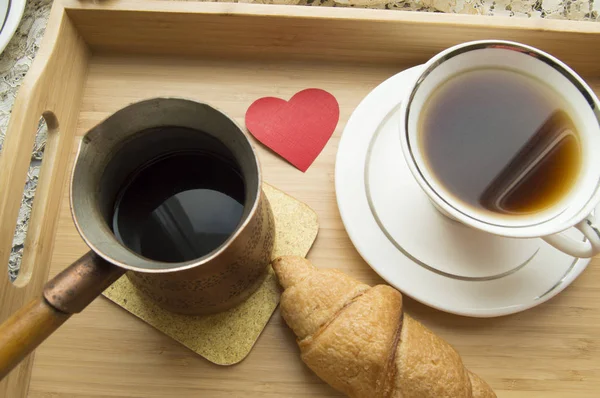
x=108, y=154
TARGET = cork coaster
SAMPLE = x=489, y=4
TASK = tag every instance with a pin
x=227, y=338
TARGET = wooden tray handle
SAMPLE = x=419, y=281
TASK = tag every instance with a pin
x=14, y=163
x=53, y=87
x=36, y=98
x=67, y=293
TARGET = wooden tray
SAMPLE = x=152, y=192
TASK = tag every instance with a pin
x=99, y=56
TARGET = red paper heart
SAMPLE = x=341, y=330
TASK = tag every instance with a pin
x=297, y=129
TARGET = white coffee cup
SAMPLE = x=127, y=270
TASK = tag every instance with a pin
x=575, y=209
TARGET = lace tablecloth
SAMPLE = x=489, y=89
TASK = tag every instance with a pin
x=17, y=57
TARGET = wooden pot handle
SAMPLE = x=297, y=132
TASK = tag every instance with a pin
x=25, y=330
x=67, y=293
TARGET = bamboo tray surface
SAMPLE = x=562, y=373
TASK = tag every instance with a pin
x=99, y=56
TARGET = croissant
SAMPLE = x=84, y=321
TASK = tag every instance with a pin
x=358, y=339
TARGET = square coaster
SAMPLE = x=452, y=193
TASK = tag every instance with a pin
x=227, y=338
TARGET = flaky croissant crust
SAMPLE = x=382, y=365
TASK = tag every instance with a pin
x=358, y=339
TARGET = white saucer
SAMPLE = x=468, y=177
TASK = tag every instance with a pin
x=427, y=256
x=11, y=12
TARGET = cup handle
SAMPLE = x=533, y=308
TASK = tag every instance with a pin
x=576, y=248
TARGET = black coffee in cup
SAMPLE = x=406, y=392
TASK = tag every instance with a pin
x=500, y=141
